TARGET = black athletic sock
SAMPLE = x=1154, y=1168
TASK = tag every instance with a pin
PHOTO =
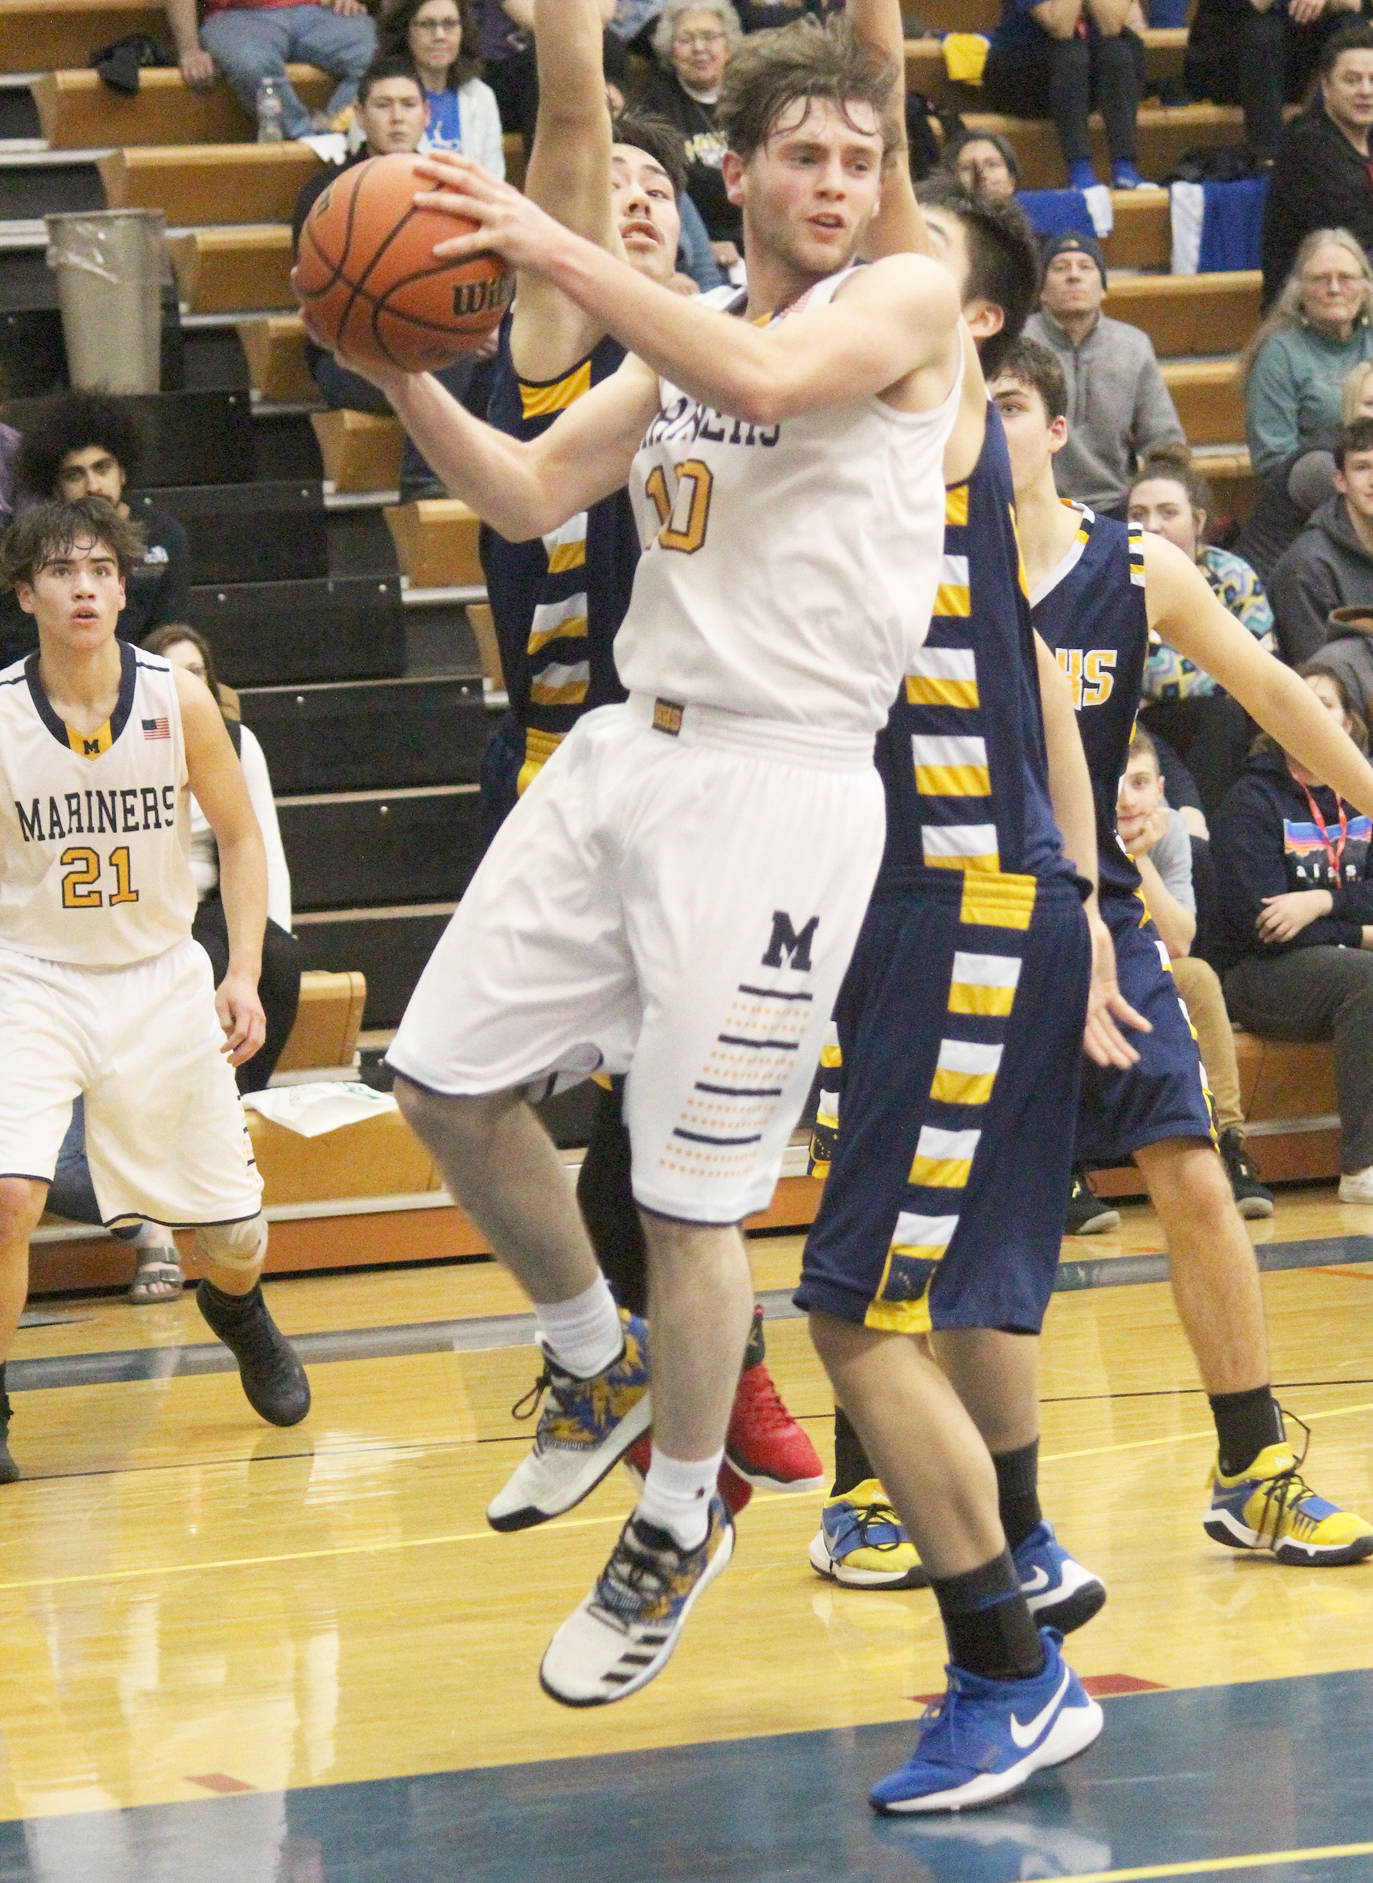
x=1245, y=1424
x=1017, y=1491
x=607, y=1204
x=989, y=1625
x=851, y=1463
x=4, y=1396
x=228, y=1309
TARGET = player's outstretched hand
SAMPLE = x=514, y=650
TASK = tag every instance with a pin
x=508, y=224
x=1107, y=1008
x=241, y=1016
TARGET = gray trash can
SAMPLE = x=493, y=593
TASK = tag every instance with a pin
x=110, y=266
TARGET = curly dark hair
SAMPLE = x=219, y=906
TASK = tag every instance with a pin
x=54, y=529
x=72, y=422
x=394, y=39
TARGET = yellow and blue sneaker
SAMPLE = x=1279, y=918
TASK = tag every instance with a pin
x=584, y=1430
x=861, y=1542
x=624, y=1632
x=983, y=1738
x=1270, y=1506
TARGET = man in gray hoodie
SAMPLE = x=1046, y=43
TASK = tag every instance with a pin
x=1118, y=404
x=1330, y=565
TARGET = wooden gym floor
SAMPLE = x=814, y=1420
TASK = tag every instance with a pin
x=301, y=1657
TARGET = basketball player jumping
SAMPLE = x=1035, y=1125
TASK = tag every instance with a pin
x=676, y=895
x=558, y=601
x=102, y=990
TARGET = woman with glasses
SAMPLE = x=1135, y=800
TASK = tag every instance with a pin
x=694, y=43
x=1295, y=366
x=441, y=39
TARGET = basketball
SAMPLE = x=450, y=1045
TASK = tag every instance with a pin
x=368, y=281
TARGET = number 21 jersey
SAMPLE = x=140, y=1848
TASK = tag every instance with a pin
x=94, y=830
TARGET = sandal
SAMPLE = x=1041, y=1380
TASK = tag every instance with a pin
x=159, y=1277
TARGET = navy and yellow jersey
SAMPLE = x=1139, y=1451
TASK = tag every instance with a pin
x=962, y=756
x=1091, y=612
x=558, y=600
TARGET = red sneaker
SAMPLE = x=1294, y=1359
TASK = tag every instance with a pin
x=732, y=1488
x=764, y=1443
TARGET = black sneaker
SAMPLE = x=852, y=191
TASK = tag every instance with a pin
x=9, y=1470
x=1087, y=1214
x=1251, y=1198
x=274, y=1381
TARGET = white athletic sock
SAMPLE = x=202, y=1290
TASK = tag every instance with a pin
x=677, y=1494
x=582, y=1335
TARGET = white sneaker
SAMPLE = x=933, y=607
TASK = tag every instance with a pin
x=615, y=1641
x=1357, y=1187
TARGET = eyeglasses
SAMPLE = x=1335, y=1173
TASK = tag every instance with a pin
x=697, y=39
x=437, y=26
x=1331, y=281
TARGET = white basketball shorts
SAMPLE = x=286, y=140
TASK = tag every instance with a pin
x=676, y=898
x=165, y=1137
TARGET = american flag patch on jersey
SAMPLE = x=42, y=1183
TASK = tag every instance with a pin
x=157, y=729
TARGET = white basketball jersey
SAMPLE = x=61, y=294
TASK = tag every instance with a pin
x=789, y=570
x=94, y=833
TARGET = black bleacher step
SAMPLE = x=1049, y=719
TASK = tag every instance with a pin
x=188, y=437
x=357, y=736
x=276, y=633
x=43, y=184
x=214, y=357
x=359, y=542
x=389, y=945
x=18, y=112
x=33, y=359
x=286, y=444
x=348, y=850
x=251, y=532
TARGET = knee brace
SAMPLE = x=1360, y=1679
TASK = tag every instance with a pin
x=239, y=1246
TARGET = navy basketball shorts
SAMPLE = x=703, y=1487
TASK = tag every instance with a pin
x=960, y=1040
x=1164, y=1095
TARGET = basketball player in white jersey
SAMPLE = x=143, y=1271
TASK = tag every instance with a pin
x=102, y=990
x=676, y=894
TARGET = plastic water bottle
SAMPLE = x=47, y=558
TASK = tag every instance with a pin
x=270, y=118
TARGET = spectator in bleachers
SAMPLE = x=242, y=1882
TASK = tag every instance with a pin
x=693, y=40
x=1209, y=730
x=1260, y=56
x=90, y=444
x=984, y=162
x=441, y=39
x=1320, y=177
x=1293, y=865
x=1331, y=563
x=279, y=984
x=1319, y=329
x=391, y=115
x=250, y=40
x=1348, y=653
x=1062, y=59
x=1157, y=838
x=1118, y=405
x=1302, y=482
x=9, y=452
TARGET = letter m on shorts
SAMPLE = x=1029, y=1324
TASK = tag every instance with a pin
x=785, y=941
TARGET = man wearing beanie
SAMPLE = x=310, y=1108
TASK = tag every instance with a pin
x=1118, y=405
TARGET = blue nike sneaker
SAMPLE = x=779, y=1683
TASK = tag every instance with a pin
x=1060, y=1592
x=984, y=1738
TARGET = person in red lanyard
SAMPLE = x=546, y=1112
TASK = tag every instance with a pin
x=1293, y=877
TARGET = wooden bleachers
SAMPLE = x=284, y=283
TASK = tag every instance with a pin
x=1164, y=133
x=196, y=184
x=1164, y=48
x=1184, y=314
x=78, y=111
x=360, y=451
x=234, y=270
x=436, y=543
x=1208, y=398
x=40, y=35
x=327, y=1023
x=274, y=347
